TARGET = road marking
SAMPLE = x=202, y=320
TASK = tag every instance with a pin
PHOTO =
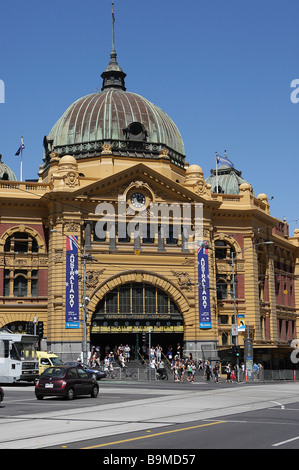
x=154, y=435
x=281, y=406
x=285, y=442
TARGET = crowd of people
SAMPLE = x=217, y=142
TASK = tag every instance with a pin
x=180, y=366
x=120, y=355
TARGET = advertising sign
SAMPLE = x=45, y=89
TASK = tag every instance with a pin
x=241, y=322
x=71, y=290
x=203, y=289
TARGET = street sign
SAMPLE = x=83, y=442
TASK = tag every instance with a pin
x=234, y=329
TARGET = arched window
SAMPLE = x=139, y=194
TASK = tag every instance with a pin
x=137, y=298
x=21, y=242
x=223, y=249
x=20, y=283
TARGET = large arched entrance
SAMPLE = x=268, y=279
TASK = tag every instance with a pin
x=137, y=313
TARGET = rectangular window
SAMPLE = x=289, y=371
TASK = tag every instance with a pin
x=95, y=237
x=162, y=303
x=34, y=283
x=125, y=239
x=137, y=299
x=111, y=302
x=124, y=299
x=150, y=299
x=148, y=238
x=171, y=240
x=6, y=285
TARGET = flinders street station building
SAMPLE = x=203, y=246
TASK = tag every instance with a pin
x=119, y=240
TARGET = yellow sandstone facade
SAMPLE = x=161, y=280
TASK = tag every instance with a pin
x=148, y=281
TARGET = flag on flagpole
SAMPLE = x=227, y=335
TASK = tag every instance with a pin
x=224, y=160
x=22, y=146
x=113, y=17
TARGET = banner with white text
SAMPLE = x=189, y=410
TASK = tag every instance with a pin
x=72, y=290
x=203, y=289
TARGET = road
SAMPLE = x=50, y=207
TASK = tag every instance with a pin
x=155, y=416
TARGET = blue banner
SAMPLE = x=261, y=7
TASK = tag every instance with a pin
x=203, y=289
x=72, y=289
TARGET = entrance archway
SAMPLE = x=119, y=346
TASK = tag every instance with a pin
x=134, y=313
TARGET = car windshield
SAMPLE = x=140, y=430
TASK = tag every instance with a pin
x=54, y=372
x=57, y=361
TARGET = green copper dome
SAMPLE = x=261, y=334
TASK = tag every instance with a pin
x=228, y=180
x=5, y=172
x=131, y=124
x=107, y=115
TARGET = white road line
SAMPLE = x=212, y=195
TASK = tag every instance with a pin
x=285, y=442
x=276, y=402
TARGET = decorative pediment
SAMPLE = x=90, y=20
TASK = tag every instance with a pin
x=139, y=177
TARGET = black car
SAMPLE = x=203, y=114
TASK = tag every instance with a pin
x=67, y=382
x=96, y=373
x=1, y=394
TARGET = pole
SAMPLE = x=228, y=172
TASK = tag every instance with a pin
x=235, y=308
x=85, y=313
x=113, y=20
x=149, y=353
x=216, y=174
x=21, y=164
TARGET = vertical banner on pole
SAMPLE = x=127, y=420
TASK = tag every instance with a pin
x=203, y=289
x=248, y=357
x=72, y=290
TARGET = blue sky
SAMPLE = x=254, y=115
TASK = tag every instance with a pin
x=221, y=70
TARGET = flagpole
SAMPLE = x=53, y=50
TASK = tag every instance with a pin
x=113, y=20
x=21, y=169
x=216, y=174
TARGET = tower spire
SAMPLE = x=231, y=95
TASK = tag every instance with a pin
x=113, y=21
x=113, y=76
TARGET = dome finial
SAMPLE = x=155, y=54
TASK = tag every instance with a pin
x=113, y=21
x=113, y=76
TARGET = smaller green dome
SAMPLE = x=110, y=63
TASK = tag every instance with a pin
x=5, y=172
x=228, y=180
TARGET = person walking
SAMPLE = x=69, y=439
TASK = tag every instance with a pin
x=228, y=372
x=208, y=370
x=216, y=372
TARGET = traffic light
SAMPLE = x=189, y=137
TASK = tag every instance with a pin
x=40, y=329
x=236, y=351
x=30, y=328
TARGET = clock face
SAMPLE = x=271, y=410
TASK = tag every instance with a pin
x=138, y=200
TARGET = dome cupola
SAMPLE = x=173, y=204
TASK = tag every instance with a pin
x=5, y=172
x=132, y=125
x=226, y=179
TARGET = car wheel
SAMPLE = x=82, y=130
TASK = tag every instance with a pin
x=94, y=391
x=39, y=397
x=70, y=394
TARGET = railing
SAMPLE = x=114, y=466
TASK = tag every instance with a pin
x=24, y=186
x=269, y=375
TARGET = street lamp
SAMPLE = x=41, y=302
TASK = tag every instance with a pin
x=85, y=300
x=234, y=289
